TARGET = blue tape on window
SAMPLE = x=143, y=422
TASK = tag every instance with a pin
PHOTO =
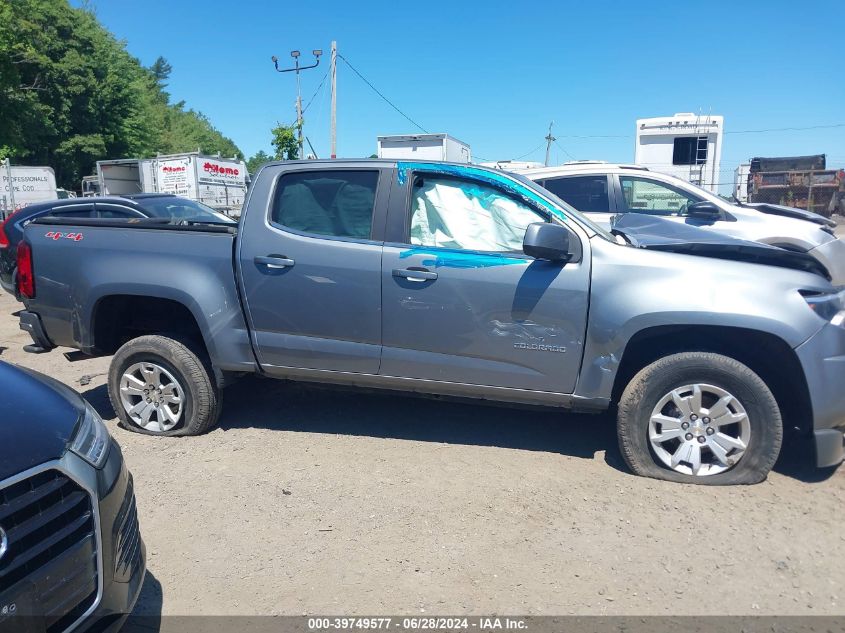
x=444, y=258
x=481, y=175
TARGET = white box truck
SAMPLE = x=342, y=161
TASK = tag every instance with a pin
x=424, y=147
x=21, y=186
x=220, y=183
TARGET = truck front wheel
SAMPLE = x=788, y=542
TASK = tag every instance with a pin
x=162, y=385
x=699, y=417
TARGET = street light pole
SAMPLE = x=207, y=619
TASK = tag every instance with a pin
x=334, y=100
x=297, y=69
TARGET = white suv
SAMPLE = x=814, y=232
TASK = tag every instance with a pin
x=603, y=190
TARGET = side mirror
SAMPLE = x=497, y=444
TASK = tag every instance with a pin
x=551, y=242
x=704, y=210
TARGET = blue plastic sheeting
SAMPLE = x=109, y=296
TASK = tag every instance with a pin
x=482, y=175
x=443, y=258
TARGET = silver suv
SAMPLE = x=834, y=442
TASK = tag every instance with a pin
x=603, y=190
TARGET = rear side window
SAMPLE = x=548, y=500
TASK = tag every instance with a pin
x=337, y=203
x=587, y=194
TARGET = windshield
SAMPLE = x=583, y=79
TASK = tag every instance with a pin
x=567, y=208
x=183, y=209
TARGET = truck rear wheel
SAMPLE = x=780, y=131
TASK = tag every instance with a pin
x=699, y=417
x=162, y=385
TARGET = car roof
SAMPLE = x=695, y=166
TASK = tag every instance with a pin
x=144, y=196
x=38, y=207
x=579, y=167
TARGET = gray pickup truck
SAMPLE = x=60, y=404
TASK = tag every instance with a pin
x=454, y=280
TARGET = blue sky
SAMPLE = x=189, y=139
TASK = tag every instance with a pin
x=494, y=74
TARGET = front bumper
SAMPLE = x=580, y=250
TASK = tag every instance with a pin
x=114, y=543
x=822, y=358
x=124, y=554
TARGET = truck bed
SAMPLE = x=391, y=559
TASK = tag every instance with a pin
x=91, y=260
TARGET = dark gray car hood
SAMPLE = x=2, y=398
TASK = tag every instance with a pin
x=656, y=233
x=38, y=417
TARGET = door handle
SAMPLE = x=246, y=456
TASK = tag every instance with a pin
x=274, y=261
x=415, y=274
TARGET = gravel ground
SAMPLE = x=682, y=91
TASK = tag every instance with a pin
x=319, y=501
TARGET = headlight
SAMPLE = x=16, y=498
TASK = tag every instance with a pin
x=829, y=306
x=92, y=439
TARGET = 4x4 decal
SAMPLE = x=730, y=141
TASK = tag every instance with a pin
x=57, y=235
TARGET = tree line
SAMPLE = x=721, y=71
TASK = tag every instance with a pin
x=71, y=94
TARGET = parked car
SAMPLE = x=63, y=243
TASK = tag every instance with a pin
x=149, y=205
x=603, y=190
x=454, y=280
x=71, y=553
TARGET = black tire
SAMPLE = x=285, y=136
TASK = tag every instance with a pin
x=659, y=378
x=190, y=367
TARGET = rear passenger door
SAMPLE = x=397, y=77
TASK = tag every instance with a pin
x=589, y=194
x=310, y=266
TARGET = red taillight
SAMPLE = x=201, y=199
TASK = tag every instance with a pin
x=26, y=278
x=4, y=239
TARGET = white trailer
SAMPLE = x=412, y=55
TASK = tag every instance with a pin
x=217, y=182
x=21, y=186
x=424, y=147
x=685, y=145
x=741, y=174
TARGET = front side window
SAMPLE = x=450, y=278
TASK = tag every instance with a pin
x=640, y=195
x=177, y=209
x=108, y=211
x=337, y=203
x=467, y=215
x=588, y=194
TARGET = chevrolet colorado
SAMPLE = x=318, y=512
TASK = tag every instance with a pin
x=461, y=281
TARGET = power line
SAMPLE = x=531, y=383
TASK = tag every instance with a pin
x=322, y=81
x=786, y=129
x=529, y=153
x=376, y=90
x=560, y=147
x=773, y=129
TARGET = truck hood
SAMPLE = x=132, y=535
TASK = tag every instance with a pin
x=656, y=233
x=788, y=212
x=38, y=417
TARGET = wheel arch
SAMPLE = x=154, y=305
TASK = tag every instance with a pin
x=118, y=318
x=768, y=355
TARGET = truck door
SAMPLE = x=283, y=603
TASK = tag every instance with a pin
x=463, y=304
x=310, y=266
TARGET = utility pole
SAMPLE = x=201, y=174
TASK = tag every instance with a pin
x=549, y=140
x=297, y=69
x=334, y=99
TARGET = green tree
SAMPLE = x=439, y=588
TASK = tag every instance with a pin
x=258, y=159
x=161, y=70
x=70, y=94
x=284, y=142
